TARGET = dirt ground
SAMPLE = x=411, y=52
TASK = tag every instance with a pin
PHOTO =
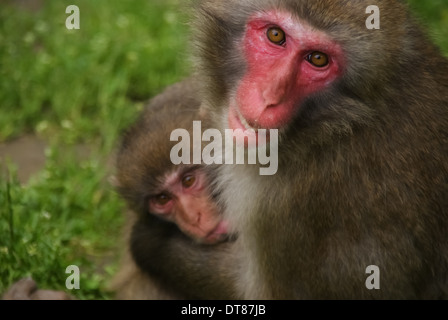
x=31, y=5
x=27, y=152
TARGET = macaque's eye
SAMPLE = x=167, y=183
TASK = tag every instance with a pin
x=188, y=181
x=276, y=35
x=317, y=59
x=162, y=199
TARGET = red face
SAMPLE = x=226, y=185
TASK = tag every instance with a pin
x=286, y=61
x=185, y=201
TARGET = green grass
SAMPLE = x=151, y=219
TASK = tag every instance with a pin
x=67, y=215
x=434, y=15
x=85, y=86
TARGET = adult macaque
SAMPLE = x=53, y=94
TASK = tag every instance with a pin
x=363, y=155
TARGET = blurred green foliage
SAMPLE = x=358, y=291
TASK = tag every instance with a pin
x=434, y=16
x=82, y=84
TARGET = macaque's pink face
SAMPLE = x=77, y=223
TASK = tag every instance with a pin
x=184, y=200
x=287, y=60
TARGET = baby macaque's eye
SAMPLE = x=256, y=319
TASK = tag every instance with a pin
x=188, y=181
x=162, y=199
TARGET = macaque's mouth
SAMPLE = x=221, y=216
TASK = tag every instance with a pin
x=219, y=233
x=237, y=122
